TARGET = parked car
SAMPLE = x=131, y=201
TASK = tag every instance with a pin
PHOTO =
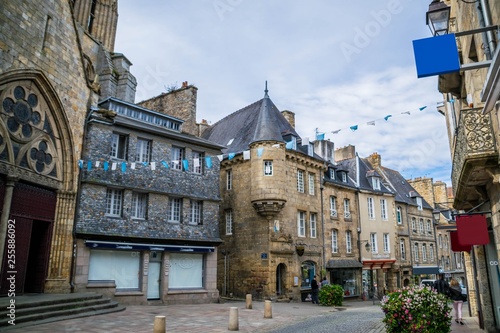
x=427, y=282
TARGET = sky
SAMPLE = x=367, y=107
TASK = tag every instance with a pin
x=335, y=64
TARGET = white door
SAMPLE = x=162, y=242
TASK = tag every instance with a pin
x=154, y=280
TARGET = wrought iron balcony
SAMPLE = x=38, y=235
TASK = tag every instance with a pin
x=475, y=156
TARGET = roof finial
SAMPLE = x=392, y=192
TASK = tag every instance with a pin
x=265, y=91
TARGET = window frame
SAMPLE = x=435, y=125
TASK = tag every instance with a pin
x=114, y=202
x=383, y=209
x=139, y=205
x=399, y=215
x=371, y=208
x=119, y=146
x=177, y=156
x=387, y=243
x=348, y=241
x=229, y=179
x=373, y=242
x=196, y=212
x=174, y=210
x=199, y=155
x=229, y=221
x=402, y=249
x=333, y=206
x=347, y=208
x=143, y=150
x=301, y=224
x=335, y=241
x=311, y=183
x=268, y=167
x=313, y=222
x=300, y=181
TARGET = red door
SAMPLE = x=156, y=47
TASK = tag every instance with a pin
x=32, y=215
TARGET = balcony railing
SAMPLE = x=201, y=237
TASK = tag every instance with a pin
x=474, y=153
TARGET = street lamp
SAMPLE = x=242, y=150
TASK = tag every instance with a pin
x=436, y=213
x=438, y=17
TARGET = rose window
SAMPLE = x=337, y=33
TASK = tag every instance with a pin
x=20, y=112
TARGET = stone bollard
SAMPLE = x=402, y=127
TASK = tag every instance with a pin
x=233, y=319
x=159, y=325
x=268, y=310
x=249, y=301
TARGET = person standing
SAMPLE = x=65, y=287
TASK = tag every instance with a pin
x=456, y=297
x=314, y=291
x=441, y=285
x=324, y=282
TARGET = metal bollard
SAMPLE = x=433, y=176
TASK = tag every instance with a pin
x=159, y=325
x=249, y=301
x=268, y=310
x=233, y=319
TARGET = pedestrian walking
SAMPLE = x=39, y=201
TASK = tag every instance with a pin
x=314, y=290
x=457, y=298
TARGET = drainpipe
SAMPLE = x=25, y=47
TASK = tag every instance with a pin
x=410, y=248
x=484, y=17
x=321, y=188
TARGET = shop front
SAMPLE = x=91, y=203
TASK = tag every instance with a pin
x=347, y=274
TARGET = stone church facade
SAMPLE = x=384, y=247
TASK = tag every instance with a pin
x=56, y=59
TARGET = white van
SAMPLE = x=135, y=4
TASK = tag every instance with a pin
x=427, y=282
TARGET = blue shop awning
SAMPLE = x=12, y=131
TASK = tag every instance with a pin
x=150, y=247
x=425, y=270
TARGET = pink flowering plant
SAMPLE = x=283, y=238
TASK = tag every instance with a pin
x=416, y=309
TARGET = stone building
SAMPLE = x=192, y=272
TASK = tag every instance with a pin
x=272, y=218
x=471, y=105
x=56, y=58
x=376, y=223
x=451, y=263
x=147, y=220
x=341, y=222
x=416, y=247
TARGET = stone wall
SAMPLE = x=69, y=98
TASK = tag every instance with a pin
x=159, y=183
x=179, y=103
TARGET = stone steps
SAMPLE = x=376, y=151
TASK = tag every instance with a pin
x=45, y=308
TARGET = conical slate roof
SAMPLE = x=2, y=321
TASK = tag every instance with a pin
x=260, y=121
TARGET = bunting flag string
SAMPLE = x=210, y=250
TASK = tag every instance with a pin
x=123, y=165
x=353, y=128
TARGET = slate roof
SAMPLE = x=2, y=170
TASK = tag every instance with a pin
x=365, y=170
x=403, y=190
x=260, y=121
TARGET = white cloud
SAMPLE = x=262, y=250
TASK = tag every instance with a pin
x=230, y=50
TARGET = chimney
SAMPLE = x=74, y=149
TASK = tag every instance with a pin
x=345, y=153
x=375, y=160
x=325, y=149
x=289, y=116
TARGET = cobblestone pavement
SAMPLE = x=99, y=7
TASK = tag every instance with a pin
x=212, y=318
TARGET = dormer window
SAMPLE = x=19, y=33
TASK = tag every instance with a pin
x=419, y=203
x=291, y=141
x=344, y=177
x=332, y=174
x=376, y=183
x=310, y=149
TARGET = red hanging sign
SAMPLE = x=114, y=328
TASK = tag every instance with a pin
x=455, y=245
x=472, y=230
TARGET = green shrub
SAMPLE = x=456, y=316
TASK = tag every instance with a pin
x=416, y=309
x=331, y=295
